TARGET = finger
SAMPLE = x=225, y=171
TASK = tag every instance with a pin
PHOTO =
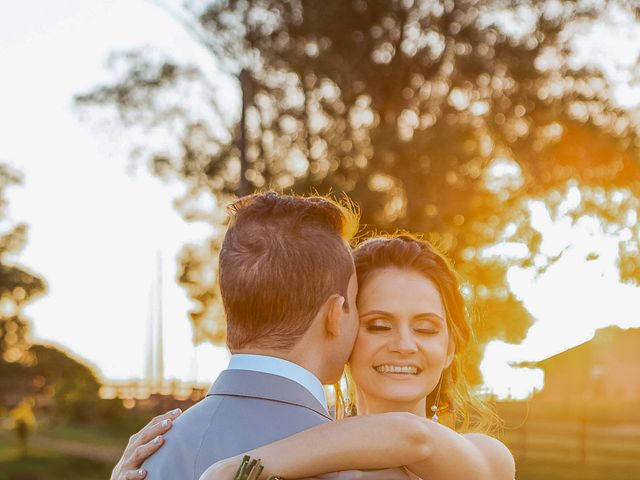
x=159, y=425
x=171, y=414
x=156, y=427
x=135, y=474
x=145, y=451
x=152, y=431
x=147, y=432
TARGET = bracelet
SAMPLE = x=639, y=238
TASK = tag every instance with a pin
x=251, y=469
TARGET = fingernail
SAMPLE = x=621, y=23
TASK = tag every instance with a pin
x=157, y=440
x=165, y=423
x=177, y=411
x=142, y=472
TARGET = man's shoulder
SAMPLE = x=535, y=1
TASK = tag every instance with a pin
x=178, y=455
x=220, y=426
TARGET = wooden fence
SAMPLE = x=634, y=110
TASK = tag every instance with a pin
x=595, y=435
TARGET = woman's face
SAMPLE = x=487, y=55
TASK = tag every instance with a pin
x=403, y=342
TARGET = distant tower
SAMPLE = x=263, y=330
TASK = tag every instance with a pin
x=154, y=365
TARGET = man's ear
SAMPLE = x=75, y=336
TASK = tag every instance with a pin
x=333, y=318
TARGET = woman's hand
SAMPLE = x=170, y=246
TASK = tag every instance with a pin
x=142, y=445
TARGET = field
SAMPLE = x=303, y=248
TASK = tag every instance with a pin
x=549, y=442
x=60, y=453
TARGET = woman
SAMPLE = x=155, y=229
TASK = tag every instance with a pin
x=408, y=358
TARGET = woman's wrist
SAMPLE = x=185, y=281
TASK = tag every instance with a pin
x=223, y=469
x=251, y=468
x=242, y=467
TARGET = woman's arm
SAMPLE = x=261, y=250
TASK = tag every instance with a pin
x=454, y=456
x=369, y=442
x=358, y=443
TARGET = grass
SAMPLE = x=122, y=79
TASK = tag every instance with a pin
x=90, y=435
x=45, y=460
x=47, y=465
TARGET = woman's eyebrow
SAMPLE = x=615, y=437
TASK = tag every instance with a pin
x=429, y=316
x=380, y=313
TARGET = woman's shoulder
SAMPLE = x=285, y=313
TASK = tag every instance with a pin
x=496, y=454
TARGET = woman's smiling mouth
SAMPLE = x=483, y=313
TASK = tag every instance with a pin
x=397, y=369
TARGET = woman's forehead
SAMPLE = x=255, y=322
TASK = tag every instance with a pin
x=397, y=286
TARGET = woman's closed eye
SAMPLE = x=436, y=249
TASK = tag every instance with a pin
x=378, y=326
x=427, y=331
x=426, y=327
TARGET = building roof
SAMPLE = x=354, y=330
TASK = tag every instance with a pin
x=603, y=339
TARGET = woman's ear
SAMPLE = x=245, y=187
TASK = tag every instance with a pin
x=333, y=319
x=451, y=352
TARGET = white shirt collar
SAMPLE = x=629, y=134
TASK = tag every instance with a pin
x=281, y=367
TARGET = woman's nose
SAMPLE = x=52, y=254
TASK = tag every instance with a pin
x=404, y=342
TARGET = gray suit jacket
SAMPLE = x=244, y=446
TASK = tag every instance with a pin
x=243, y=410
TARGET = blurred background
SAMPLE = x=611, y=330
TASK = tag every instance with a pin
x=507, y=132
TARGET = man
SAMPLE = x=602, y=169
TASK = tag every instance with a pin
x=289, y=288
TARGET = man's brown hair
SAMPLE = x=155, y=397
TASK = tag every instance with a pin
x=282, y=257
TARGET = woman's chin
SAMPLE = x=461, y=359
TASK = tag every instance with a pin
x=399, y=397
x=402, y=387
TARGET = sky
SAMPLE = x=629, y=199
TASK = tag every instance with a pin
x=97, y=223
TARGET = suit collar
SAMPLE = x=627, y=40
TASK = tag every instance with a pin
x=281, y=367
x=245, y=383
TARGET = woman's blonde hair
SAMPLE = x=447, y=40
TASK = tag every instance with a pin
x=458, y=406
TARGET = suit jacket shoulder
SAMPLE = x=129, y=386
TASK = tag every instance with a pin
x=242, y=411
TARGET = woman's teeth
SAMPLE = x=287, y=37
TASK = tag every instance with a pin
x=396, y=369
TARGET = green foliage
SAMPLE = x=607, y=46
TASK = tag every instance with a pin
x=441, y=117
x=72, y=385
x=66, y=389
x=23, y=423
x=17, y=285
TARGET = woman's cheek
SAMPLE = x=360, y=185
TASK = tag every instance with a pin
x=362, y=356
x=435, y=348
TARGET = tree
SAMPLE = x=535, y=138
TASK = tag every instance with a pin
x=17, y=285
x=23, y=422
x=72, y=385
x=64, y=389
x=441, y=117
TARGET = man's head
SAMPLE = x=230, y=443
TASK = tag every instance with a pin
x=285, y=264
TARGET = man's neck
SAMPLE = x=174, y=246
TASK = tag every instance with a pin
x=291, y=355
